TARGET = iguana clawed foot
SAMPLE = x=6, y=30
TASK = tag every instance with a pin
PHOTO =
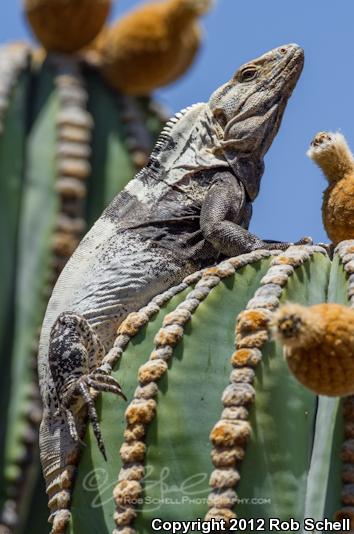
x=75, y=344
x=278, y=245
x=98, y=380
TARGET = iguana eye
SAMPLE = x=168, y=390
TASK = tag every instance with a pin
x=248, y=73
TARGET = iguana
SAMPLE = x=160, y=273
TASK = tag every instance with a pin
x=188, y=207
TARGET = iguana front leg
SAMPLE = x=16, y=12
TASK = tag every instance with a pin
x=224, y=210
x=75, y=353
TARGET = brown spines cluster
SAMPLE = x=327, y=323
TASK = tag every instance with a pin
x=74, y=130
x=152, y=46
x=331, y=152
x=298, y=326
x=319, y=346
x=59, y=486
x=66, y=25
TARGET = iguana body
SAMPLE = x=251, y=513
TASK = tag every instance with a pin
x=190, y=205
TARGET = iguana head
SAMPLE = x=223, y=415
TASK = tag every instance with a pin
x=248, y=109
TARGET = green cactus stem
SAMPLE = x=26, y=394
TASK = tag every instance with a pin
x=74, y=143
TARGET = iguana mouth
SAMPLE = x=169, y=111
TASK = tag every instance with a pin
x=295, y=65
x=291, y=70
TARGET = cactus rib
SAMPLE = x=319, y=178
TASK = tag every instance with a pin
x=14, y=59
x=345, y=251
x=72, y=98
x=138, y=138
x=141, y=411
x=73, y=150
x=128, y=328
x=74, y=127
x=230, y=434
x=28, y=305
x=45, y=122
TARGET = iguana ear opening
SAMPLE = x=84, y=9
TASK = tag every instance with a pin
x=220, y=117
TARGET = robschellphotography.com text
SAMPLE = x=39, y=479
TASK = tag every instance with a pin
x=249, y=525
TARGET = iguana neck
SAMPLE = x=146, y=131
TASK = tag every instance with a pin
x=186, y=145
x=248, y=110
x=191, y=142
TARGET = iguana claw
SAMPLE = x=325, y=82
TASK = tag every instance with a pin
x=75, y=343
x=99, y=381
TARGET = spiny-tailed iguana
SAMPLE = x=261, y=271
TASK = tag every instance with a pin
x=190, y=205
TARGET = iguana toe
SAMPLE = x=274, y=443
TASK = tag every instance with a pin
x=79, y=393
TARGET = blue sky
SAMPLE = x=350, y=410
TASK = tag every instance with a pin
x=289, y=205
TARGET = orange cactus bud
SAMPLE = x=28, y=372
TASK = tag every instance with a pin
x=331, y=152
x=152, y=46
x=319, y=346
x=66, y=25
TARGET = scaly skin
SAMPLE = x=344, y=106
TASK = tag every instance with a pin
x=190, y=205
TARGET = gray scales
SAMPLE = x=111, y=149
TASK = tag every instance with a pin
x=189, y=207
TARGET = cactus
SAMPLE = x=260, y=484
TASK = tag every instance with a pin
x=187, y=432
x=212, y=406
x=203, y=418
x=68, y=144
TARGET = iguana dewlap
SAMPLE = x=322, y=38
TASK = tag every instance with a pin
x=191, y=204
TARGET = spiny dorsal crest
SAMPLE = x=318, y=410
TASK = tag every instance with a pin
x=166, y=134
